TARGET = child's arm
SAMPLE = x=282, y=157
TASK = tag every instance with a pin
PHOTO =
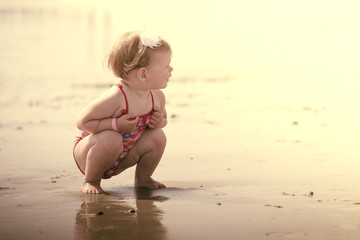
x=159, y=115
x=97, y=116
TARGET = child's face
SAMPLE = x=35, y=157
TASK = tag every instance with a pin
x=159, y=70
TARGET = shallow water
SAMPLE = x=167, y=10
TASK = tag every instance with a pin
x=268, y=110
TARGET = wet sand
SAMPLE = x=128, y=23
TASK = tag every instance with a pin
x=240, y=176
x=246, y=158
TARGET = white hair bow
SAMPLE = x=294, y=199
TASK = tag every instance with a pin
x=149, y=39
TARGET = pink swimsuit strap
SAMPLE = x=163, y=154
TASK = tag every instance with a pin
x=126, y=101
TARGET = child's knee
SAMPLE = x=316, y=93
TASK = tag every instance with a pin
x=110, y=142
x=159, y=138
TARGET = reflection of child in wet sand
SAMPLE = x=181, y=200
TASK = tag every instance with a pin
x=122, y=127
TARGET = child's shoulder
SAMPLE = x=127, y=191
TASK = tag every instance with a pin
x=112, y=96
x=158, y=92
x=159, y=97
x=113, y=91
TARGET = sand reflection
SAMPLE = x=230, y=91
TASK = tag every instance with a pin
x=118, y=216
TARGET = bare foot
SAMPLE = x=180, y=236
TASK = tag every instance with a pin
x=92, y=188
x=149, y=183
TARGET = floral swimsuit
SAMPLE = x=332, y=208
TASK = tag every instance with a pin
x=129, y=139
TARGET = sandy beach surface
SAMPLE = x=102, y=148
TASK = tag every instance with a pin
x=248, y=156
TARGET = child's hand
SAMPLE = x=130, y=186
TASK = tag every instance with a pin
x=156, y=119
x=127, y=123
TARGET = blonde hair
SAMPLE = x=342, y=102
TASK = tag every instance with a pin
x=128, y=53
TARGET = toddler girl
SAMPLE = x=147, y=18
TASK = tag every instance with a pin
x=122, y=127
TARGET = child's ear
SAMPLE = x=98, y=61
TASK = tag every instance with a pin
x=142, y=74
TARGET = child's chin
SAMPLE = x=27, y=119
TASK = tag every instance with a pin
x=164, y=85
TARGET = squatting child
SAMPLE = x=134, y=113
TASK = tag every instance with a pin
x=123, y=126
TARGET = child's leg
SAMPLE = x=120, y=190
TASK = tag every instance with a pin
x=96, y=153
x=153, y=148
x=146, y=153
